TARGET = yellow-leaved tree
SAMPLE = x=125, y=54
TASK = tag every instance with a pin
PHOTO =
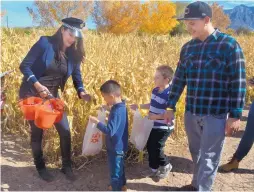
x=117, y=16
x=50, y=13
x=220, y=20
x=158, y=17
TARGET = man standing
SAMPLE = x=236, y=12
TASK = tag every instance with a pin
x=246, y=142
x=212, y=66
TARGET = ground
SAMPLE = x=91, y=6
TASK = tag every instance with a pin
x=18, y=172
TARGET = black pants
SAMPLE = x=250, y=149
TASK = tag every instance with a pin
x=65, y=143
x=155, y=145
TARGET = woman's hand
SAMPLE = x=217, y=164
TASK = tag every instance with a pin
x=85, y=96
x=42, y=90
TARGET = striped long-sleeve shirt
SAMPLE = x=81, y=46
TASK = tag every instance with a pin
x=158, y=105
x=214, y=72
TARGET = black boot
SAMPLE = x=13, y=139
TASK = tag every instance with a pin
x=40, y=166
x=65, y=145
x=68, y=173
x=45, y=175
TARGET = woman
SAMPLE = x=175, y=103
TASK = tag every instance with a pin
x=46, y=68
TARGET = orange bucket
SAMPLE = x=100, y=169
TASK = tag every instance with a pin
x=59, y=117
x=28, y=106
x=58, y=105
x=50, y=112
x=45, y=116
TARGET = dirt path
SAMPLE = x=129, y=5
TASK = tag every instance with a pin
x=18, y=172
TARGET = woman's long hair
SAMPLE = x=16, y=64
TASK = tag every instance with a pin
x=76, y=50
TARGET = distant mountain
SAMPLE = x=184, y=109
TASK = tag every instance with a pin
x=241, y=16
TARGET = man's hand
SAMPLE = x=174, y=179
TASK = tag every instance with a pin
x=232, y=126
x=168, y=116
x=94, y=120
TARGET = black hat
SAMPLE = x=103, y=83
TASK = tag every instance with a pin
x=197, y=10
x=75, y=25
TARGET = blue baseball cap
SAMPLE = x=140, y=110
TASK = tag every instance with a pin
x=197, y=10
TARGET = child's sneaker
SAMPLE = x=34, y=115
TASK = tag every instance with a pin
x=124, y=188
x=188, y=188
x=231, y=165
x=165, y=171
x=151, y=173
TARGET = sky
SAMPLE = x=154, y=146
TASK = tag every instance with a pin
x=18, y=15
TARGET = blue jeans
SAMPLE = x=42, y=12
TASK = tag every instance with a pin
x=248, y=136
x=206, y=135
x=116, y=169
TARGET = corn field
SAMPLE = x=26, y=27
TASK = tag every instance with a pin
x=129, y=59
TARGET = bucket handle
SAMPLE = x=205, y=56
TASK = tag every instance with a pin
x=48, y=98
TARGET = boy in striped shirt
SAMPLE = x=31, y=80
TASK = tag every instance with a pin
x=158, y=162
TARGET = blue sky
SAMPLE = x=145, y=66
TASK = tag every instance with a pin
x=19, y=17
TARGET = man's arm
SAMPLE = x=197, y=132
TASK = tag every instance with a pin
x=237, y=82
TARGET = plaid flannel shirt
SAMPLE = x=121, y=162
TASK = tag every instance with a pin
x=214, y=72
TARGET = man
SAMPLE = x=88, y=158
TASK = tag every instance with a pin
x=213, y=68
x=245, y=143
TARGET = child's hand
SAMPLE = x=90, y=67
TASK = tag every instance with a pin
x=105, y=107
x=94, y=120
x=155, y=117
x=152, y=116
x=134, y=107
